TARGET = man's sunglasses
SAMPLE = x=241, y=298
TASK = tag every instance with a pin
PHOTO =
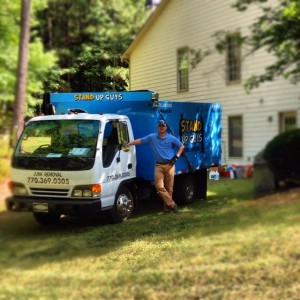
x=161, y=125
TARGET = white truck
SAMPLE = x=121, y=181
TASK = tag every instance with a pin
x=73, y=159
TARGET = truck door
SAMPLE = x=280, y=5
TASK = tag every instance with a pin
x=118, y=163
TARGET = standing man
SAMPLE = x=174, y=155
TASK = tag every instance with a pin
x=166, y=149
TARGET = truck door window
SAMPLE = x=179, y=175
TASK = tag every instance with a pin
x=124, y=136
x=111, y=143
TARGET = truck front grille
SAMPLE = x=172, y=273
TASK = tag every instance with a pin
x=49, y=192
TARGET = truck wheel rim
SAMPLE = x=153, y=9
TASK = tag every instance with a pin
x=190, y=193
x=124, y=206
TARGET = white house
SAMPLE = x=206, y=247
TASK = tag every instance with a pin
x=160, y=57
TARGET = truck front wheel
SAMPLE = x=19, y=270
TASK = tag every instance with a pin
x=46, y=219
x=123, y=207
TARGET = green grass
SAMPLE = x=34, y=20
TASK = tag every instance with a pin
x=231, y=246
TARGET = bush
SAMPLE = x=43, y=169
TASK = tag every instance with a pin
x=282, y=154
x=5, y=154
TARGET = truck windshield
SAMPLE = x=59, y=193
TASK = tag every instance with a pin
x=57, y=145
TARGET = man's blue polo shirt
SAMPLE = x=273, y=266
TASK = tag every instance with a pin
x=163, y=149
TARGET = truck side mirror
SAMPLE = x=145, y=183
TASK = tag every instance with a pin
x=154, y=98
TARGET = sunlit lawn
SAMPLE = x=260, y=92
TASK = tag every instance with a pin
x=231, y=246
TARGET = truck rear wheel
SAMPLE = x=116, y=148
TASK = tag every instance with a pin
x=123, y=207
x=46, y=219
x=185, y=191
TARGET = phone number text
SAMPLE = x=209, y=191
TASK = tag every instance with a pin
x=48, y=180
x=117, y=176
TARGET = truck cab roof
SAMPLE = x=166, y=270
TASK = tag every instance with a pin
x=81, y=116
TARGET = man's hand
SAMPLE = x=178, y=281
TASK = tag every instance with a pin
x=173, y=160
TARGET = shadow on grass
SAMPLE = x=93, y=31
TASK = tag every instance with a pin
x=148, y=220
x=230, y=205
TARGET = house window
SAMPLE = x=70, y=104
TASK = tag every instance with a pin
x=235, y=136
x=183, y=70
x=233, y=59
x=288, y=121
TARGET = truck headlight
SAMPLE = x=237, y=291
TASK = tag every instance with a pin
x=87, y=191
x=17, y=188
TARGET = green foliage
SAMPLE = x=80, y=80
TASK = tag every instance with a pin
x=89, y=37
x=196, y=56
x=4, y=168
x=97, y=70
x=39, y=61
x=277, y=31
x=6, y=111
x=5, y=154
x=75, y=46
x=242, y=5
x=282, y=154
x=8, y=48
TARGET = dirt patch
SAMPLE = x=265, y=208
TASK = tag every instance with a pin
x=281, y=196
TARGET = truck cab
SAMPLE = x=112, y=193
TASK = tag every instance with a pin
x=77, y=161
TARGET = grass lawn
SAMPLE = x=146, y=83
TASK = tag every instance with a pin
x=232, y=246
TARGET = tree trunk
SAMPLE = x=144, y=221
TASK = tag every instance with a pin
x=21, y=83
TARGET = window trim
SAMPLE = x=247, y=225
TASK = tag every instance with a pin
x=283, y=116
x=236, y=62
x=238, y=139
x=180, y=52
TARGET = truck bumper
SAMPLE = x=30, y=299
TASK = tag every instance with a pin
x=59, y=206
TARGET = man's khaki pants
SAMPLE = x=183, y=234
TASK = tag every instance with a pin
x=164, y=182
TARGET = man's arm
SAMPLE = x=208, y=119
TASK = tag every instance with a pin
x=180, y=150
x=135, y=142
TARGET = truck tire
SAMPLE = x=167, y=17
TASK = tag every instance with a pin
x=123, y=206
x=46, y=219
x=185, y=191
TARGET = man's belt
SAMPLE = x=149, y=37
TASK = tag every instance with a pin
x=169, y=162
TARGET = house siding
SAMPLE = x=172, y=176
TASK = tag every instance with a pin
x=191, y=23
